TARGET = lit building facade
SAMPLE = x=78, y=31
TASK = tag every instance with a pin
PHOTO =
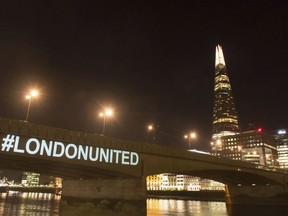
x=281, y=137
x=255, y=146
x=207, y=184
x=180, y=182
x=225, y=117
x=30, y=179
x=35, y=179
x=154, y=182
x=58, y=182
x=170, y=181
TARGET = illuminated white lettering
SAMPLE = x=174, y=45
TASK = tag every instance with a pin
x=125, y=157
x=82, y=152
x=96, y=154
x=111, y=156
x=16, y=146
x=28, y=146
x=104, y=155
x=71, y=151
x=44, y=146
x=134, y=158
x=62, y=147
x=117, y=155
x=67, y=152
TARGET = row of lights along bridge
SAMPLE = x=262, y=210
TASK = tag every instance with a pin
x=106, y=114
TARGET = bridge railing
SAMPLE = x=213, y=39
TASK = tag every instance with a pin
x=25, y=128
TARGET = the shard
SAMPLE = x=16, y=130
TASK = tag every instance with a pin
x=225, y=118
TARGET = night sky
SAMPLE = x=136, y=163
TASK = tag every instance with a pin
x=152, y=61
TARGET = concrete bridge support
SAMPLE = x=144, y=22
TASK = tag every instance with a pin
x=268, y=195
x=128, y=195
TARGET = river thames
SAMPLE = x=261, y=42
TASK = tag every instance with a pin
x=46, y=204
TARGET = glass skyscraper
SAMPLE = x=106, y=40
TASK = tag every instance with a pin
x=225, y=117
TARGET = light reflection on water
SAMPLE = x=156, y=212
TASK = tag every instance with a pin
x=22, y=203
x=171, y=207
x=45, y=204
x=42, y=204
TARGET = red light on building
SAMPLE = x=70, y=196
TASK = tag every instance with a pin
x=259, y=129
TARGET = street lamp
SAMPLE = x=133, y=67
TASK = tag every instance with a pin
x=33, y=93
x=105, y=114
x=152, y=128
x=190, y=136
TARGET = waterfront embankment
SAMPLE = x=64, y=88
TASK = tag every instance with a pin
x=43, y=189
x=204, y=195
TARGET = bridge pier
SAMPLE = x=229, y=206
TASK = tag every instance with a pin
x=268, y=195
x=128, y=195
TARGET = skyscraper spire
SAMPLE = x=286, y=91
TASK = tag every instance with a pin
x=225, y=118
x=219, y=57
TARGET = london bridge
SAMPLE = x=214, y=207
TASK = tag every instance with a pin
x=31, y=147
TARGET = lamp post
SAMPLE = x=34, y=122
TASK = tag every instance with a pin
x=152, y=128
x=33, y=93
x=190, y=136
x=105, y=114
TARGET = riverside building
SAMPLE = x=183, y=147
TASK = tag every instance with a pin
x=281, y=137
x=173, y=182
x=254, y=146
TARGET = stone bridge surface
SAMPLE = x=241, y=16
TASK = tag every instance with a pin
x=78, y=155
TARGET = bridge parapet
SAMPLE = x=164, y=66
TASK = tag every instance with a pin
x=149, y=152
x=35, y=130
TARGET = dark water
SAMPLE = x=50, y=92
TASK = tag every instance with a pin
x=44, y=204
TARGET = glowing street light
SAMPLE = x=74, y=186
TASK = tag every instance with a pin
x=105, y=114
x=190, y=137
x=152, y=128
x=33, y=93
